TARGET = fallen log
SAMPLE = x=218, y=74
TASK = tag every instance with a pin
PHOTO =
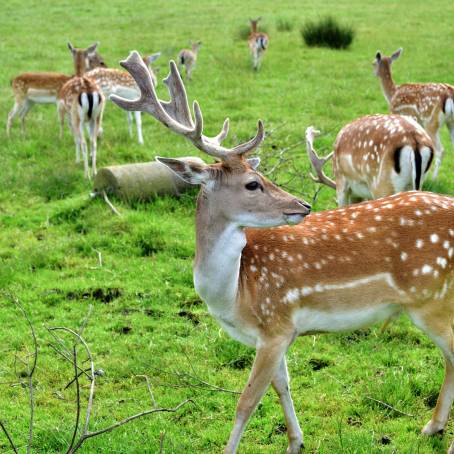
x=140, y=182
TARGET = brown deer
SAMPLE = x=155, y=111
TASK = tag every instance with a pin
x=114, y=81
x=82, y=101
x=42, y=87
x=267, y=282
x=188, y=58
x=374, y=156
x=258, y=43
x=431, y=104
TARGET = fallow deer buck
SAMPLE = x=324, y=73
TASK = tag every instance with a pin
x=258, y=43
x=188, y=58
x=82, y=101
x=431, y=104
x=374, y=156
x=42, y=87
x=267, y=282
x=113, y=81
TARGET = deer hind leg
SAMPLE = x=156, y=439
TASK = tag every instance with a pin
x=23, y=113
x=434, y=132
x=255, y=59
x=264, y=369
x=61, y=112
x=439, y=326
x=79, y=130
x=138, y=117
x=281, y=385
x=94, y=127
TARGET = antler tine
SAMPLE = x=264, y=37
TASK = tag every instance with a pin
x=177, y=107
x=224, y=131
x=316, y=161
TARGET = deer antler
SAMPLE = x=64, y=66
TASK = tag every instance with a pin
x=316, y=161
x=176, y=115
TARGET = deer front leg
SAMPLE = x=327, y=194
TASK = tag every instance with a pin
x=267, y=361
x=281, y=386
x=138, y=117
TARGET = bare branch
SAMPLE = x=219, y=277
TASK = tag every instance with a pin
x=129, y=419
x=8, y=436
x=316, y=161
x=76, y=379
x=109, y=203
x=153, y=402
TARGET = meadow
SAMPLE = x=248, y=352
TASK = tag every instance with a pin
x=146, y=317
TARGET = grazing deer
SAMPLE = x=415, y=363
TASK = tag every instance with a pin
x=82, y=101
x=258, y=43
x=188, y=58
x=431, y=104
x=113, y=81
x=374, y=156
x=267, y=282
x=43, y=87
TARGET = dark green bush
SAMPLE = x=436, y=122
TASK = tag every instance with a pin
x=327, y=32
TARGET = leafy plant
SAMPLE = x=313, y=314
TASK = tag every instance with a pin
x=327, y=32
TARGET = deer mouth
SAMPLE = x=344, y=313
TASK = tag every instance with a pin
x=293, y=218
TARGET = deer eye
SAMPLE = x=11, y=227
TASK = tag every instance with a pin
x=253, y=185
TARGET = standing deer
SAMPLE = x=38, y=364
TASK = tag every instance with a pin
x=113, y=81
x=188, y=58
x=258, y=43
x=43, y=87
x=374, y=156
x=267, y=282
x=431, y=104
x=82, y=101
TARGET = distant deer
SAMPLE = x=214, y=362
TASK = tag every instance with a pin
x=431, y=104
x=42, y=87
x=375, y=156
x=188, y=58
x=81, y=99
x=113, y=81
x=270, y=272
x=258, y=43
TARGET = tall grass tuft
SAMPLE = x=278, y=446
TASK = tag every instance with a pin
x=284, y=24
x=327, y=32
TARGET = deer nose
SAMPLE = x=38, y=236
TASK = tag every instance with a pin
x=305, y=205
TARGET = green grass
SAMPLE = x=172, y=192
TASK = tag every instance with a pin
x=155, y=323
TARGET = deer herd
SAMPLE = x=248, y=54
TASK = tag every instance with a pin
x=268, y=269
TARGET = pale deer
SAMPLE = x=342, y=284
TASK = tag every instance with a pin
x=82, y=101
x=188, y=58
x=431, y=104
x=258, y=43
x=267, y=282
x=114, y=81
x=42, y=87
x=374, y=156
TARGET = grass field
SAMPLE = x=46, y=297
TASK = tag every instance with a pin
x=146, y=316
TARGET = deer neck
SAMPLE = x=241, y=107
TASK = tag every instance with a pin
x=219, y=244
x=387, y=84
x=80, y=65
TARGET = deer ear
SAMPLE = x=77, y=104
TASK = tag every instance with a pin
x=192, y=172
x=396, y=54
x=378, y=55
x=153, y=57
x=71, y=47
x=254, y=163
x=92, y=48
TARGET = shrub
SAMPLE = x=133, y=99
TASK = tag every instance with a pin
x=284, y=24
x=327, y=32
